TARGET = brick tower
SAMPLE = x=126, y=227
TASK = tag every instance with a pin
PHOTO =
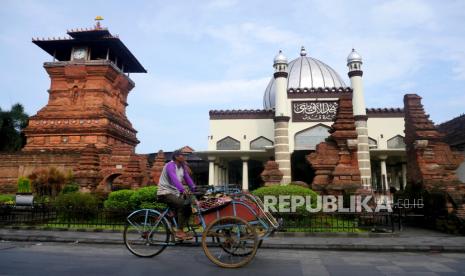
x=88, y=94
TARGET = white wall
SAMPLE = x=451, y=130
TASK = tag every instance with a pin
x=386, y=127
x=237, y=128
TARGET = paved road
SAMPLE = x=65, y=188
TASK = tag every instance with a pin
x=19, y=258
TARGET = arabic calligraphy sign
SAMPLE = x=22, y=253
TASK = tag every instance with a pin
x=311, y=111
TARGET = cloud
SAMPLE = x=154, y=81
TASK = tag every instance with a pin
x=174, y=92
x=221, y=4
x=400, y=14
x=246, y=37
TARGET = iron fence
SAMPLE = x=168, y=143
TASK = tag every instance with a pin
x=76, y=218
x=338, y=222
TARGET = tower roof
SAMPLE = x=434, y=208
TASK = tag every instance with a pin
x=305, y=72
x=280, y=58
x=354, y=56
x=98, y=39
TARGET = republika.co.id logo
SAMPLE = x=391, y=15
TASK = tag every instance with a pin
x=331, y=204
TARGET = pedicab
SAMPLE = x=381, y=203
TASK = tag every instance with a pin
x=231, y=226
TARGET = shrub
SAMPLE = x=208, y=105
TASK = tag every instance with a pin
x=43, y=200
x=76, y=205
x=292, y=190
x=145, y=198
x=120, y=200
x=70, y=188
x=7, y=199
x=24, y=185
x=48, y=181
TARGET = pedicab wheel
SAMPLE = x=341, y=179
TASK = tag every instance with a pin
x=145, y=236
x=260, y=234
x=234, y=242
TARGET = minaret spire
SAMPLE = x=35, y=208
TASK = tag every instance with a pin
x=281, y=119
x=354, y=62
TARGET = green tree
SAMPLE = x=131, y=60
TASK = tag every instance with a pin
x=12, y=124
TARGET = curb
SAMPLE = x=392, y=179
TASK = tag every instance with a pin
x=328, y=247
x=276, y=234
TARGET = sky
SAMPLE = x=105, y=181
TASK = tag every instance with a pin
x=205, y=55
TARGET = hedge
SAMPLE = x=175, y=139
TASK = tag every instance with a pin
x=7, y=199
x=143, y=198
x=76, y=205
x=119, y=200
x=292, y=190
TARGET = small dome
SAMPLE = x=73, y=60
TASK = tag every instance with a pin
x=305, y=73
x=280, y=58
x=353, y=57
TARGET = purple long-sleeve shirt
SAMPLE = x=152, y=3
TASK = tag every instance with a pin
x=169, y=182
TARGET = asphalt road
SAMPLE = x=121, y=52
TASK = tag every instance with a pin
x=20, y=258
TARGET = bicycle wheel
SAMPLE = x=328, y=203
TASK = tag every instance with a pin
x=235, y=242
x=146, y=234
x=244, y=252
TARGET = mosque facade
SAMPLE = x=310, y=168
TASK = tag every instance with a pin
x=300, y=105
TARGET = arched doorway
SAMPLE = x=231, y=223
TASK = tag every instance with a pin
x=107, y=182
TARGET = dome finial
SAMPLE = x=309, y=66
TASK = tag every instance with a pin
x=303, y=52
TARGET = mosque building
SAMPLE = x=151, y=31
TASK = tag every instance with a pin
x=300, y=104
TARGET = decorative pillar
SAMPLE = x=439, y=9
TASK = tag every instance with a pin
x=354, y=62
x=221, y=175
x=281, y=120
x=245, y=173
x=217, y=172
x=404, y=176
x=211, y=171
x=384, y=182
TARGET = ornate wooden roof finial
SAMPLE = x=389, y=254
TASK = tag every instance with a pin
x=97, y=24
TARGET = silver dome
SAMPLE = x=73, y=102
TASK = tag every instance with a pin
x=305, y=73
x=354, y=56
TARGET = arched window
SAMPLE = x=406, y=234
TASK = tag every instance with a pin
x=228, y=143
x=260, y=143
x=396, y=142
x=307, y=139
x=372, y=142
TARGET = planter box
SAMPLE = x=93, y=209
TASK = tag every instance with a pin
x=24, y=199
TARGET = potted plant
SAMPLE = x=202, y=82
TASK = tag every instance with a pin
x=24, y=195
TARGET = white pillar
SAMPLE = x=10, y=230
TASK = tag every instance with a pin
x=211, y=171
x=221, y=175
x=404, y=176
x=384, y=183
x=245, y=173
x=217, y=174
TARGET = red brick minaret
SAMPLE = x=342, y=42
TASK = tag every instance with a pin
x=88, y=94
